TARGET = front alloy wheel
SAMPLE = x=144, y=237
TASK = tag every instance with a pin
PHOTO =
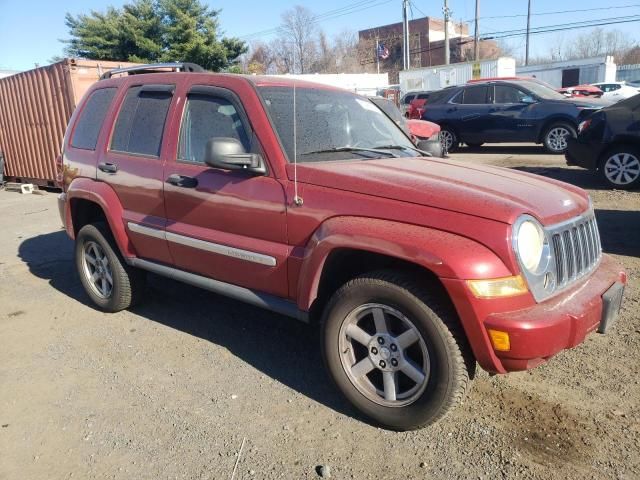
x=449, y=140
x=555, y=140
x=621, y=168
x=97, y=270
x=395, y=349
x=391, y=365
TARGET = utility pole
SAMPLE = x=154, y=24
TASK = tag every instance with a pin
x=377, y=55
x=405, y=35
x=446, y=12
x=526, y=55
x=476, y=39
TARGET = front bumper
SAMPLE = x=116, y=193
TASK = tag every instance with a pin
x=539, y=331
x=581, y=154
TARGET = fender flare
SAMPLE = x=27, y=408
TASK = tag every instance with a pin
x=445, y=254
x=107, y=199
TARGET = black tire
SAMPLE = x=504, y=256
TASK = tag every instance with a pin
x=609, y=167
x=127, y=283
x=475, y=145
x=449, y=139
x=552, y=137
x=451, y=363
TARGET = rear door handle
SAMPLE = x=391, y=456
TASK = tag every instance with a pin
x=108, y=167
x=182, y=181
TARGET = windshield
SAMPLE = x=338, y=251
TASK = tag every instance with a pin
x=333, y=125
x=542, y=91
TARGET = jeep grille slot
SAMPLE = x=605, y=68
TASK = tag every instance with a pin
x=577, y=249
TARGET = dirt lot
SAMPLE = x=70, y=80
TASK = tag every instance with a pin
x=171, y=389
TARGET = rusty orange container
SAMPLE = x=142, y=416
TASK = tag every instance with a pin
x=35, y=107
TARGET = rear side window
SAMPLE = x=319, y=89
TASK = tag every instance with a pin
x=87, y=129
x=207, y=117
x=141, y=120
x=475, y=96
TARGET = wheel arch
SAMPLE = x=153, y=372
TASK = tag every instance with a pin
x=560, y=118
x=89, y=201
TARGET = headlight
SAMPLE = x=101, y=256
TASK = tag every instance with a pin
x=530, y=244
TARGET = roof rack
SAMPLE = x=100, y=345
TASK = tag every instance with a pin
x=152, y=68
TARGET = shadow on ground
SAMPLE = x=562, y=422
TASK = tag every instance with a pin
x=286, y=350
x=493, y=149
x=619, y=231
x=578, y=177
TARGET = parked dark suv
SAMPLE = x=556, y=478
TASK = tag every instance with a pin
x=505, y=112
x=609, y=142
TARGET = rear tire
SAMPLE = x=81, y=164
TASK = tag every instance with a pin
x=620, y=167
x=449, y=139
x=555, y=137
x=409, y=376
x=110, y=283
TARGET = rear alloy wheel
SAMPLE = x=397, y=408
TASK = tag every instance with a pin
x=395, y=350
x=555, y=139
x=620, y=168
x=449, y=140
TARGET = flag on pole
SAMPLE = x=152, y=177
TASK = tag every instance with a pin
x=383, y=51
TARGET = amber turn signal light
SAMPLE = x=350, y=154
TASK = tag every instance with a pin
x=500, y=340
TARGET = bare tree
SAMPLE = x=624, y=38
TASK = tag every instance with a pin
x=299, y=31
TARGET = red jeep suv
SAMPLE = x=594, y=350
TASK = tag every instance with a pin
x=309, y=201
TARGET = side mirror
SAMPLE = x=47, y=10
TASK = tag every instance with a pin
x=229, y=154
x=435, y=149
x=528, y=99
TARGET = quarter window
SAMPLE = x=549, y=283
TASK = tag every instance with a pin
x=88, y=126
x=141, y=120
x=207, y=117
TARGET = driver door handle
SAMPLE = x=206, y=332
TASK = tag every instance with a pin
x=182, y=181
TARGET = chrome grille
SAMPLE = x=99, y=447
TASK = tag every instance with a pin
x=576, y=247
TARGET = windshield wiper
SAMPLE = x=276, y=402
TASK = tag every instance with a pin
x=402, y=147
x=350, y=149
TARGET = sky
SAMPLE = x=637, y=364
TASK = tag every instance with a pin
x=30, y=31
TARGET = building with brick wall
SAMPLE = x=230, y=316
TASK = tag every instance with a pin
x=426, y=45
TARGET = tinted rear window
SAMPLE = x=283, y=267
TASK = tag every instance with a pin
x=88, y=126
x=475, y=96
x=141, y=120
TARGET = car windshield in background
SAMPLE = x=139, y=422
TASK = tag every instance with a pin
x=333, y=125
x=542, y=91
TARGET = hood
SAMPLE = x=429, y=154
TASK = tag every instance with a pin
x=586, y=102
x=490, y=192
x=422, y=128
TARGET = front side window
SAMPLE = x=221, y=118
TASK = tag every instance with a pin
x=507, y=94
x=475, y=96
x=206, y=117
x=85, y=134
x=140, y=124
x=332, y=125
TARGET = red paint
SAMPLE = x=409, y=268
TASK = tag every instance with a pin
x=450, y=218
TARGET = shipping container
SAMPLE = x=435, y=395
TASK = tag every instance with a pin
x=428, y=79
x=569, y=73
x=35, y=107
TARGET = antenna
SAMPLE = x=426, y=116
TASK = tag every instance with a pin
x=296, y=199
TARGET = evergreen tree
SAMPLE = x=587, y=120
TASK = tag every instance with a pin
x=148, y=31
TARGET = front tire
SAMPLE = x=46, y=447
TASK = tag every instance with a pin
x=395, y=350
x=555, y=137
x=110, y=283
x=620, y=167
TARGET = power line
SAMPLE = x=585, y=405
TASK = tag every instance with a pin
x=329, y=15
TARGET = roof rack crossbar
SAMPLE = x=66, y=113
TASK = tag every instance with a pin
x=149, y=68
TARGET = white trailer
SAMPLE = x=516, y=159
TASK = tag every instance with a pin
x=570, y=73
x=435, y=78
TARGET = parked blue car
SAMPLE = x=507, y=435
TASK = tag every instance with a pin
x=507, y=111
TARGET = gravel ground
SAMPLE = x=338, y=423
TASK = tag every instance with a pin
x=174, y=387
